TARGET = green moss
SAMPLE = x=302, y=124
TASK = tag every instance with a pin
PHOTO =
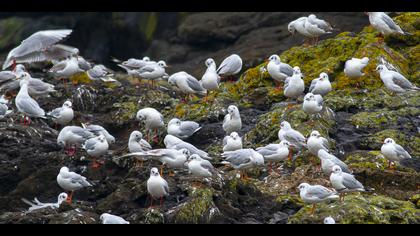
x=153, y=216
x=125, y=111
x=149, y=24
x=372, y=160
x=11, y=32
x=416, y=200
x=361, y=209
x=383, y=117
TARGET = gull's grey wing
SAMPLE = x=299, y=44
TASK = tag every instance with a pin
x=238, y=157
x=83, y=64
x=325, y=143
x=227, y=64
x=188, y=128
x=6, y=76
x=90, y=144
x=145, y=145
x=194, y=84
x=39, y=41
x=30, y=106
x=319, y=191
x=286, y=69
x=401, y=81
x=401, y=151
x=207, y=165
x=313, y=84
x=147, y=68
x=95, y=73
x=82, y=133
x=56, y=112
x=39, y=85
x=319, y=99
x=59, y=66
x=350, y=182
x=10, y=85
x=294, y=136
x=389, y=22
x=76, y=178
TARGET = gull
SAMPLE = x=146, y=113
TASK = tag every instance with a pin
x=275, y=152
x=99, y=130
x=384, y=24
x=9, y=80
x=37, y=87
x=37, y=205
x=243, y=159
x=316, y=142
x=33, y=45
x=153, y=71
x=321, y=85
x=62, y=115
x=353, y=67
x=230, y=66
x=152, y=119
x=232, y=142
x=210, y=80
x=394, y=81
x=312, y=104
x=294, y=137
x=71, y=181
x=329, y=220
x=71, y=136
x=294, y=85
x=298, y=25
x=157, y=187
x=96, y=147
x=182, y=129
x=393, y=152
x=187, y=84
x=136, y=143
x=100, y=72
x=328, y=161
x=173, y=142
x=317, y=27
x=278, y=70
x=200, y=167
x=232, y=121
x=315, y=194
x=171, y=157
x=4, y=110
x=83, y=64
x=112, y=219
x=27, y=105
x=135, y=64
x=344, y=182
x=66, y=68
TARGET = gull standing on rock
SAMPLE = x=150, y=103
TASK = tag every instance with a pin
x=210, y=80
x=152, y=119
x=232, y=142
x=317, y=27
x=100, y=72
x=232, y=121
x=153, y=71
x=200, y=167
x=173, y=142
x=99, y=130
x=37, y=205
x=182, y=129
x=316, y=142
x=354, y=67
x=96, y=147
x=66, y=68
x=275, y=152
x=187, y=84
x=278, y=70
x=230, y=66
x=294, y=137
x=393, y=152
x=312, y=104
x=37, y=87
x=344, y=182
x=157, y=187
x=321, y=85
x=243, y=159
x=294, y=86
x=34, y=45
x=62, y=115
x=384, y=24
x=394, y=81
x=72, y=136
x=315, y=194
x=112, y=219
x=71, y=181
x=328, y=161
x=27, y=105
x=136, y=143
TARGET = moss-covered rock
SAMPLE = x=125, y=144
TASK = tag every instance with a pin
x=361, y=209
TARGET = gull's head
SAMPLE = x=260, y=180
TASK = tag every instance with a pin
x=154, y=172
x=175, y=121
x=162, y=64
x=146, y=59
x=365, y=60
x=62, y=197
x=209, y=62
x=329, y=220
x=140, y=116
x=285, y=143
x=323, y=76
x=23, y=75
x=20, y=68
x=103, y=216
x=312, y=16
x=172, y=80
x=136, y=135
x=336, y=169
x=315, y=134
x=67, y=104
x=194, y=157
x=234, y=135
x=309, y=97
x=64, y=169
x=291, y=28
x=285, y=125
x=380, y=68
x=101, y=138
x=296, y=70
x=303, y=186
x=389, y=140
x=232, y=109
x=274, y=58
